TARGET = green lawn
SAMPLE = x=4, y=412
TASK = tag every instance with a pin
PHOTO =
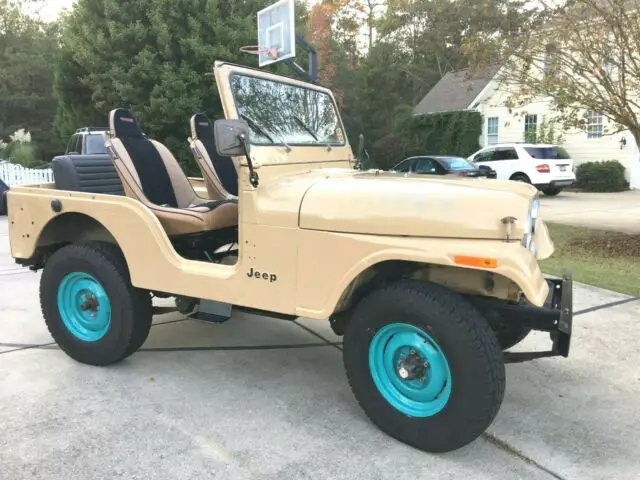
x=604, y=259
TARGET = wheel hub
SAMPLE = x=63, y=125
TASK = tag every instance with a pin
x=84, y=306
x=89, y=302
x=412, y=367
x=410, y=370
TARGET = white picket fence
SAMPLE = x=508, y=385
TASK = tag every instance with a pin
x=13, y=174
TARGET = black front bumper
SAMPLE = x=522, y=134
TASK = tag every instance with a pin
x=555, y=317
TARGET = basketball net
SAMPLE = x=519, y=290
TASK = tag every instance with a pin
x=259, y=51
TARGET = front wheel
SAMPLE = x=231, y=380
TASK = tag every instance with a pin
x=424, y=365
x=91, y=309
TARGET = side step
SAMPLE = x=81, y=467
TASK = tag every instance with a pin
x=212, y=312
x=215, y=312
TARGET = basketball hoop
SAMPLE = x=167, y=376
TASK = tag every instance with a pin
x=260, y=51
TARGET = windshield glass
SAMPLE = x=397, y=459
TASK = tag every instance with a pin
x=94, y=144
x=548, y=153
x=280, y=113
x=457, y=163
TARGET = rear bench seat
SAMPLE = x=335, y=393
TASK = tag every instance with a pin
x=86, y=173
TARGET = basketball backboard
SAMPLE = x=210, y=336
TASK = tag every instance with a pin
x=276, y=30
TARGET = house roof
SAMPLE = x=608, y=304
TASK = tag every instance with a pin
x=455, y=91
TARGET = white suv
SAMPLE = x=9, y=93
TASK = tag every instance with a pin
x=547, y=167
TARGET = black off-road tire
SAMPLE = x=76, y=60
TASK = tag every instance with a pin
x=131, y=310
x=463, y=335
x=509, y=331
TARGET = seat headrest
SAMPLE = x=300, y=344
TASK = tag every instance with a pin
x=201, y=127
x=123, y=124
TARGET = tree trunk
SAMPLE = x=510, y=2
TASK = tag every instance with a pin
x=634, y=162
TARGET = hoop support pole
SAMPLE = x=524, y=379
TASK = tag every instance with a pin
x=312, y=74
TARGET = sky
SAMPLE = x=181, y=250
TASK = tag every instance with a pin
x=49, y=10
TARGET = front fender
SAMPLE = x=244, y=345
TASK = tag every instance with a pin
x=321, y=283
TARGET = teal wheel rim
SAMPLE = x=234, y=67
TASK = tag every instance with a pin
x=410, y=370
x=84, y=307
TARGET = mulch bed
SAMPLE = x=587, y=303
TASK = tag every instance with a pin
x=615, y=244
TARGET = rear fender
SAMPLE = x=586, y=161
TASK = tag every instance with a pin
x=34, y=214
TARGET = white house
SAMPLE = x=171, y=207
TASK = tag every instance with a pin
x=457, y=91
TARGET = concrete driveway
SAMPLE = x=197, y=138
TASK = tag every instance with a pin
x=608, y=211
x=260, y=398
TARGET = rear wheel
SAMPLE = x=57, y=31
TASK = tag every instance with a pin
x=91, y=309
x=520, y=177
x=424, y=365
x=551, y=191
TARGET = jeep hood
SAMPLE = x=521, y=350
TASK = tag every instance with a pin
x=387, y=203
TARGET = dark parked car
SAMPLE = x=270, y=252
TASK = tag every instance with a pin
x=443, y=165
x=4, y=188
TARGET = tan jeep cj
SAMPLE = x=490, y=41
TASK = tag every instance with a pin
x=430, y=280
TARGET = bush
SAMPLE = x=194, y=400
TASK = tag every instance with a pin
x=23, y=154
x=604, y=176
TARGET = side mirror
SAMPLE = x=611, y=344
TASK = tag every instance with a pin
x=360, y=145
x=231, y=137
x=484, y=167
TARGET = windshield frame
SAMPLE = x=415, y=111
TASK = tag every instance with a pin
x=302, y=85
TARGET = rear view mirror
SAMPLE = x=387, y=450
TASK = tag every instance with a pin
x=232, y=137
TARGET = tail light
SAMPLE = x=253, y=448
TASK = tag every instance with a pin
x=544, y=168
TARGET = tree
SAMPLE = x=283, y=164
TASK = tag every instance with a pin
x=416, y=43
x=28, y=52
x=581, y=56
x=154, y=56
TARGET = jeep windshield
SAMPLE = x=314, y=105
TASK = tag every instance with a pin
x=280, y=113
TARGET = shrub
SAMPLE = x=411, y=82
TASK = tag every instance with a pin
x=21, y=149
x=604, y=176
x=24, y=154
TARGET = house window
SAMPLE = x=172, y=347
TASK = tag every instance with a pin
x=492, y=130
x=530, y=128
x=595, y=124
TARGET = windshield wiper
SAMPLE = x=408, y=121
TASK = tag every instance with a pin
x=309, y=131
x=262, y=132
x=257, y=127
x=315, y=136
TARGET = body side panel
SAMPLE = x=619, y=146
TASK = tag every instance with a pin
x=152, y=260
